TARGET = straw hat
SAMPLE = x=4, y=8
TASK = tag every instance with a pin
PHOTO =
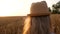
x=39, y=9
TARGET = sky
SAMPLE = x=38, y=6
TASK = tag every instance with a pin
x=19, y=7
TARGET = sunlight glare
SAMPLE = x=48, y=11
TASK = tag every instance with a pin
x=17, y=7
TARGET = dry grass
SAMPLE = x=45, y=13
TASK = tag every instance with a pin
x=55, y=23
x=11, y=25
x=14, y=25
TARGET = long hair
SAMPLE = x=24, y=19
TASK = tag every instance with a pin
x=27, y=25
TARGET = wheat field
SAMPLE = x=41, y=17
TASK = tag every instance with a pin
x=55, y=23
x=11, y=25
x=14, y=25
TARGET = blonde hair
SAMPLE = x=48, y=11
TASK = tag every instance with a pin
x=27, y=25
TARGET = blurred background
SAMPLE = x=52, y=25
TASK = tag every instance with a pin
x=13, y=14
